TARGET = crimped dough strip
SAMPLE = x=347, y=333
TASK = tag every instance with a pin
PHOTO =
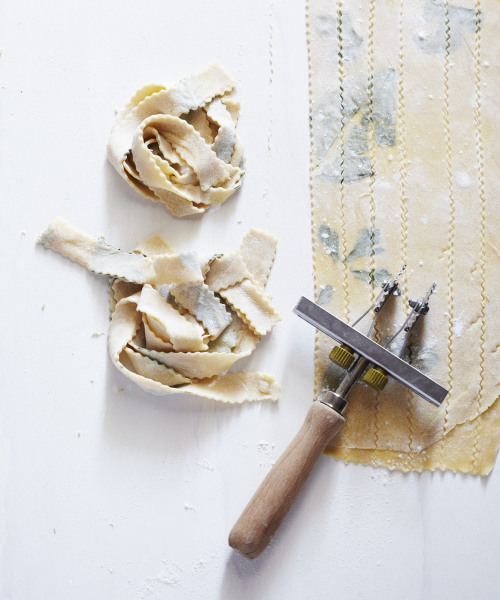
x=178, y=144
x=169, y=331
x=240, y=277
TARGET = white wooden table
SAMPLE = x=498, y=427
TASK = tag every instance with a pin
x=107, y=492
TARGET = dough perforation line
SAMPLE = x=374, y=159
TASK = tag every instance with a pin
x=480, y=168
x=402, y=164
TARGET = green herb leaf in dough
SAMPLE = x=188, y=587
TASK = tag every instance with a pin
x=328, y=27
x=451, y=24
x=421, y=357
x=382, y=109
x=375, y=277
x=355, y=115
x=330, y=241
x=325, y=294
x=365, y=244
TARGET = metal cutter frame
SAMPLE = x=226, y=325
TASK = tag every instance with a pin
x=375, y=354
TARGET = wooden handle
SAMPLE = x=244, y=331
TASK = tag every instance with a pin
x=279, y=490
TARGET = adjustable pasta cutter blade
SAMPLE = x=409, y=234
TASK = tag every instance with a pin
x=375, y=354
x=362, y=358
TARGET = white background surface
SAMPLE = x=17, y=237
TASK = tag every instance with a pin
x=107, y=492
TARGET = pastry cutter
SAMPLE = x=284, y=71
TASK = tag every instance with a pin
x=362, y=358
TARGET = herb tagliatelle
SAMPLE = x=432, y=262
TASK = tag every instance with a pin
x=177, y=143
x=175, y=327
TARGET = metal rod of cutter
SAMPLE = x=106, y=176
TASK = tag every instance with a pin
x=352, y=376
x=397, y=368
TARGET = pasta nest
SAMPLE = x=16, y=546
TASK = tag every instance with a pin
x=177, y=144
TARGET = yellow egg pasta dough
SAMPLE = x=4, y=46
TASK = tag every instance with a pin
x=405, y=129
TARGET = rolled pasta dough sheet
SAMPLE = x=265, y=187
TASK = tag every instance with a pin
x=404, y=137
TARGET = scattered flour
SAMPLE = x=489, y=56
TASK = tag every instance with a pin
x=462, y=178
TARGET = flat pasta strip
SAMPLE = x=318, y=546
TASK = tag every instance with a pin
x=184, y=335
x=252, y=306
x=236, y=388
x=194, y=365
x=258, y=250
x=151, y=369
x=155, y=334
x=177, y=268
x=163, y=142
x=201, y=302
x=120, y=288
x=202, y=167
x=169, y=332
x=225, y=140
x=101, y=258
x=225, y=271
x=96, y=255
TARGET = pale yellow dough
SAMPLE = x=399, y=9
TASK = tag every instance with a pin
x=405, y=124
x=174, y=326
x=178, y=144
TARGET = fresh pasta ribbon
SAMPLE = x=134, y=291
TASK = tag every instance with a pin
x=239, y=279
x=252, y=306
x=95, y=255
x=178, y=144
x=173, y=328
